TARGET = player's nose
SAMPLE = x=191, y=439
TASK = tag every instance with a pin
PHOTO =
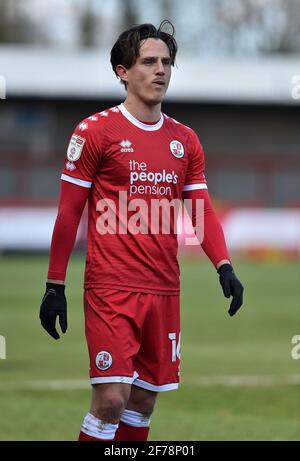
x=160, y=70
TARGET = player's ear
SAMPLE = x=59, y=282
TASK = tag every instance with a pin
x=122, y=73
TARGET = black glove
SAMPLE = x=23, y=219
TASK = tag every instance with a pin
x=54, y=304
x=231, y=287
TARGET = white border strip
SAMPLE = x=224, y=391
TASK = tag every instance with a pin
x=135, y=419
x=100, y=434
x=140, y=124
x=78, y=182
x=152, y=387
x=112, y=379
x=194, y=186
x=97, y=428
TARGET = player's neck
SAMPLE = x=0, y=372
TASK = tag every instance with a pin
x=141, y=111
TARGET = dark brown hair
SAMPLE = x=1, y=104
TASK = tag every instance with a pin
x=126, y=49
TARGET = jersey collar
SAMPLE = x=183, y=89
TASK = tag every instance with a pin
x=138, y=123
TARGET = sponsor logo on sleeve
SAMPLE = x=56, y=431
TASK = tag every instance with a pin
x=75, y=147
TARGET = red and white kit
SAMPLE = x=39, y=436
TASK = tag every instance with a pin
x=132, y=279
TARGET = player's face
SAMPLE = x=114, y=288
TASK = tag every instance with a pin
x=148, y=79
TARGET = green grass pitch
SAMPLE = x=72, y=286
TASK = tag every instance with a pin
x=238, y=379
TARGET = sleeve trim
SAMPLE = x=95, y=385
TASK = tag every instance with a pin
x=188, y=187
x=78, y=182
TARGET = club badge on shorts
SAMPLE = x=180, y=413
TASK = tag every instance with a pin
x=176, y=148
x=103, y=360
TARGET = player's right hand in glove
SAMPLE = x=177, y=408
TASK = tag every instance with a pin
x=231, y=287
x=54, y=304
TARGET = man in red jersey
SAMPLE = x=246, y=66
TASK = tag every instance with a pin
x=128, y=158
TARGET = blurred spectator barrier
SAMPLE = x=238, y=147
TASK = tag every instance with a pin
x=2, y=87
x=246, y=229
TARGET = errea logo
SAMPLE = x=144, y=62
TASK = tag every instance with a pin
x=126, y=146
x=83, y=126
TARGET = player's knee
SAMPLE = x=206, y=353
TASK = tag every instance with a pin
x=109, y=408
x=146, y=408
x=142, y=403
x=109, y=401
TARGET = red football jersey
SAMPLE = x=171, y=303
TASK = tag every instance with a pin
x=131, y=167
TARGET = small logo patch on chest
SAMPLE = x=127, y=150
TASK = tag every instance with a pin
x=126, y=146
x=177, y=148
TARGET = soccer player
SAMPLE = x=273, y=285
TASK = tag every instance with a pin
x=124, y=159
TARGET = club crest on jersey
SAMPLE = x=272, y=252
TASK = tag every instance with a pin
x=103, y=360
x=177, y=149
x=75, y=147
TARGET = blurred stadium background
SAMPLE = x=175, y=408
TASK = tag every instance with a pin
x=237, y=83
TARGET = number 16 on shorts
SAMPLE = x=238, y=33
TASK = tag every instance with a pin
x=175, y=346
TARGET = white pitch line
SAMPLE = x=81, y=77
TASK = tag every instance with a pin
x=245, y=381
x=204, y=381
x=47, y=385
x=58, y=385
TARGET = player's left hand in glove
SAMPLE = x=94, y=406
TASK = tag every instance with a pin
x=231, y=287
x=54, y=304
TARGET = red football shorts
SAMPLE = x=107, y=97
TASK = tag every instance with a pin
x=133, y=338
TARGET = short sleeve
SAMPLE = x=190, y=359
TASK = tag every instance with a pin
x=195, y=175
x=84, y=154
